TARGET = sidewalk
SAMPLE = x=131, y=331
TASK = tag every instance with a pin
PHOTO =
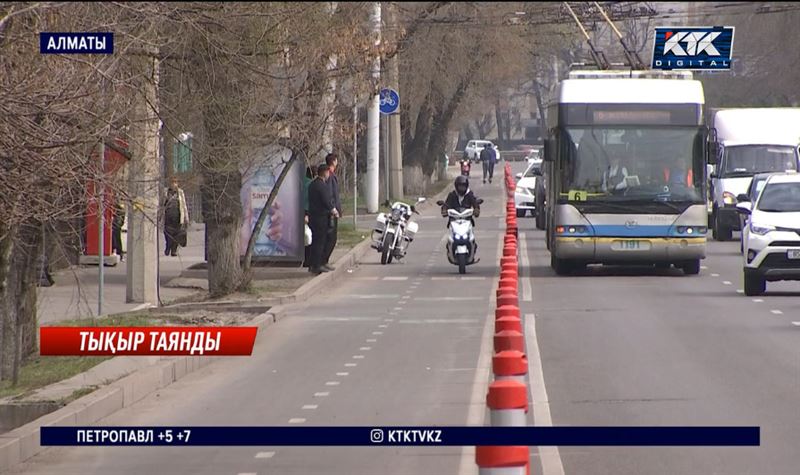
x=75, y=292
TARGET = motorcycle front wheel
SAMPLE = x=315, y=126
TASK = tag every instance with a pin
x=462, y=263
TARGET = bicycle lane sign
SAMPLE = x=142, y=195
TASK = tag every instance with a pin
x=390, y=101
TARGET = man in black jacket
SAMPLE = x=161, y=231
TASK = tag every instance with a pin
x=333, y=182
x=461, y=198
x=321, y=209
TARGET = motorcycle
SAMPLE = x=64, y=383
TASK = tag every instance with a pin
x=461, y=246
x=394, y=231
x=466, y=166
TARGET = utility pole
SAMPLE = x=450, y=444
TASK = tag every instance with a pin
x=142, y=271
x=373, y=118
x=394, y=135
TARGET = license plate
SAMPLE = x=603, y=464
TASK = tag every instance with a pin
x=461, y=250
x=793, y=253
x=630, y=245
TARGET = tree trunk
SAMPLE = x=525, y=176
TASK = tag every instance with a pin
x=540, y=105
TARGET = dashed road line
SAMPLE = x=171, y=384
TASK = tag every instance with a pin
x=342, y=373
x=371, y=340
x=350, y=365
x=332, y=383
x=296, y=420
x=797, y=324
x=358, y=357
x=776, y=312
x=265, y=455
x=726, y=282
x=322, y=394
x=758, y=300
x=310, y=407
x=377, y=333
x=714, y=275
x=398, y=278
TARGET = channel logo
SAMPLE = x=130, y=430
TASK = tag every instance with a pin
x=694, y=48
x=376, y=436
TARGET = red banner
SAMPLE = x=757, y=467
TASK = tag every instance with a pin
x=145, y=341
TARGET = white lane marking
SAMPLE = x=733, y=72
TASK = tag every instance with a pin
x=797, y=324
x=443, y=278
x=365, y=348
x=726, y=282
x=371, y=340
x=248, y=473
x=704, y=267
x=265, y=455
x=476, y=277
x=405, y=297
x=358, y=357
x=342, y=373
x=322, y=394
x=383, y=326
x=527, y=292
x=758, y=300
x=368, y=278
x=332, y=383
x=776, y=312
x=374, y=333
x=396, y=278
x=296, y=420
x=477, y=406
x=350, y=365
x=388, y=319
x=310, y=407
x=371, y=296
x=714, y=275
x=448, y=299
x=550, y=457
x=439, y=320
x=739, y=291
x=397, y=309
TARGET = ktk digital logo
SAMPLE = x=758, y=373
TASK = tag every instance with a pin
x=701, y=48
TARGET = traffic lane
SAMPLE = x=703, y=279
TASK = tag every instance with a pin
x=294, y=362
x=631, y=347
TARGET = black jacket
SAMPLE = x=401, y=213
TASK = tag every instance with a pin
x=320, y=201
x=333, y=184
x=469, y=201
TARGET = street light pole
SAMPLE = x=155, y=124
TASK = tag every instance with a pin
x=373, y=118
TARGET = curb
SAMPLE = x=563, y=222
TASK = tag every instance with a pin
x=22, y=443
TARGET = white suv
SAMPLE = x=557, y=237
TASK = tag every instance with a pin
x=771, y=239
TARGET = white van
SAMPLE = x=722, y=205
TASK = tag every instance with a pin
x=748, y=141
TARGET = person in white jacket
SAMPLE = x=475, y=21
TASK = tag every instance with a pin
x=176, y=218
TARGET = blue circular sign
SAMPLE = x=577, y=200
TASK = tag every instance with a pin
x=390, y=101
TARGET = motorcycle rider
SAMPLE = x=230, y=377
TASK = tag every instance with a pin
x=461, y=198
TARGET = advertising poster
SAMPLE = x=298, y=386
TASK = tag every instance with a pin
x=281, y=237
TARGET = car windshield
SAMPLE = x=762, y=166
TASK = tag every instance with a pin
x=780, y=198
x=632, y=164
x=747, y=160
x=531, y=168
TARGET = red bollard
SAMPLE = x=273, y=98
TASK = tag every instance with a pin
x=508, y=298
x=507, y=311
x=507, y=289
x=509, y=274
x=508, y=403
x=510, y=250
x=508, y=324
x=510, y=365
x=509, y=266
x=509, y=340
x=507, y=283
x=508, y=260
x=502, y=460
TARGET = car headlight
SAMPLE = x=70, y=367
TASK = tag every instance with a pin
x=519, y=189
x=761, y=230
x=728, y=198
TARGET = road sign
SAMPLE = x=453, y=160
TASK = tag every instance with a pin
x=390, y=101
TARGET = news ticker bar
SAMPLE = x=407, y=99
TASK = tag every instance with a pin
x=401, y=436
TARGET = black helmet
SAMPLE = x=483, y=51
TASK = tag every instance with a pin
x=461, y=185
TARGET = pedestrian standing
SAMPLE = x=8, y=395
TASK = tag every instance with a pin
x=333, y=231
x=306, y=182
x=321, y=209
x=116, y=230
x=176, y=218
x=484, y=157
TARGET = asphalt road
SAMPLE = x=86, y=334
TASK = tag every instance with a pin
x=408, y=344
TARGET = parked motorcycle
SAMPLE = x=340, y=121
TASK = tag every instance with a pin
x=394, y=231
x=461, y=246
x=466, y=166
